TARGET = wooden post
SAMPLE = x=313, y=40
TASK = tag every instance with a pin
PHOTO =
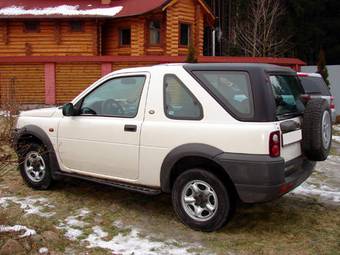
x=106, y=68
x=50, y=83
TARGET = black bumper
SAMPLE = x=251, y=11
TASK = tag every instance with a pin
x=260, y=178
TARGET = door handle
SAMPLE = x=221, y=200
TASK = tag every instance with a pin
x=130, y=128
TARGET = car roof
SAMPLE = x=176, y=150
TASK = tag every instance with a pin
x=238, y=66
x=301, y=74
x=212, y=66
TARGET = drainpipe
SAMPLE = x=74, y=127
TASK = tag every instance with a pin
x=214, y=42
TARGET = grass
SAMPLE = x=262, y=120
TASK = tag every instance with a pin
x=290, y=225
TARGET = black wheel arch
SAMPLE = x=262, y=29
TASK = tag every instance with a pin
x=33, y=133
x=194, y=155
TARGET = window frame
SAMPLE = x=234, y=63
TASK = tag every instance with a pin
x=80, y=22
x=120, y=30
x=36, y=30
x=224, y=103
x=180, y=33
x=80, y=102
x=201, y=116
x=148, y=38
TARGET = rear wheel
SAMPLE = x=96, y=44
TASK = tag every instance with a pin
x=201, y=200
x=34, y=166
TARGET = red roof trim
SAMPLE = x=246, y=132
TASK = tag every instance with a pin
x=151, y=59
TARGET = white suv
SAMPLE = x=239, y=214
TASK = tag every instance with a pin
x=209, y=134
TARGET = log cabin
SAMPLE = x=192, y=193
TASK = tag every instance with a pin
x=102, y=27
x=50, y=50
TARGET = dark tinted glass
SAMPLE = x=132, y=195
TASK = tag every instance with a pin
x=315, y=85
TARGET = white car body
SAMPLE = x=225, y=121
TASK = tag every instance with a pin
x=99, y=147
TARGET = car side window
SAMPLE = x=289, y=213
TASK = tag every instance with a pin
x=118, y=97
x=179, y=102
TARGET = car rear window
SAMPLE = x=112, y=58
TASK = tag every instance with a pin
x=287, y=91
x=231, y=89
x=314, y=85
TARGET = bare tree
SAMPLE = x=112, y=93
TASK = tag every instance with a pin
x=257, y=33
x=8, y=111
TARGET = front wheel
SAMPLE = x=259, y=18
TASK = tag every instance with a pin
x=201, y=200
x=34, y=166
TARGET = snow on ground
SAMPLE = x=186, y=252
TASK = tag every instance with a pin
x=336, y=138
x=336, y=128
x=43, y=250
x=30, y=205
x=133, y=243
x=73, y=225
x=65, y=10
x=324, y=183
x=17, y=228
x=128, y=242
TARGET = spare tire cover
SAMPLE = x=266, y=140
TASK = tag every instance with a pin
x=317, y=130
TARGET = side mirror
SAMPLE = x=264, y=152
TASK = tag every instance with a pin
x=68, y=110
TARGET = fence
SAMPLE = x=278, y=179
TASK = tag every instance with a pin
x=56, y=80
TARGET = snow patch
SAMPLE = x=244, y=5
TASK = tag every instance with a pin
x=43, y=250
x=30, y=205
x=323, y=191
x=336, y=128
x=336, y=138
x=18, y=228
x=72, y=225
x=66, y=10
x=133, y=243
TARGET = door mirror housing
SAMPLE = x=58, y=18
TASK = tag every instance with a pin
x=68, y=110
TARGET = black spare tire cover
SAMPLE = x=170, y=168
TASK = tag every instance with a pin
x=316, y=130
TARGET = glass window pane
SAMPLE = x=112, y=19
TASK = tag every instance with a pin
x=184, y=34
x=125, y=36
x=179, y=102
x=232, y=89
x=287, y=91
x=117, y=97
x=155, y=32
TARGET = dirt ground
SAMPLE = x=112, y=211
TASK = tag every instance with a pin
x=78, y=217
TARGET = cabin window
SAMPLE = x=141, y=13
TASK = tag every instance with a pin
x=155, y=32
x=125, y=36
x=77, y=26
x=31, y=26
x=185, y=34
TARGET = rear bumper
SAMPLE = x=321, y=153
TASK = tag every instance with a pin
x=260, y=178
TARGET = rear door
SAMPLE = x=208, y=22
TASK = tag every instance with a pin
x=287, y=92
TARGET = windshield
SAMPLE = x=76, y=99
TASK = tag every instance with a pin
x=287, y=91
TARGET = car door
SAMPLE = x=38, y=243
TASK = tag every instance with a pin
x=103, y=139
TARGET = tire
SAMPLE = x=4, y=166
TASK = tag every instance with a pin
x=220, y=198
x=317, y=130
x=34, y=167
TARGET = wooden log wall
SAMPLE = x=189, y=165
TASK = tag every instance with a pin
x=187, y=11
x=22, y=83
x=54, y=38
x=73, y=78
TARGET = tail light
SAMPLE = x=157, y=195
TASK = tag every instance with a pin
x=332, y=104
x=274, y=144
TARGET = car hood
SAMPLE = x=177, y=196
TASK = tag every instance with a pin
x=45, y=112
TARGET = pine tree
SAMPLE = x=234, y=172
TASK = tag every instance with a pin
x=191, y=57
x=322, y=68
